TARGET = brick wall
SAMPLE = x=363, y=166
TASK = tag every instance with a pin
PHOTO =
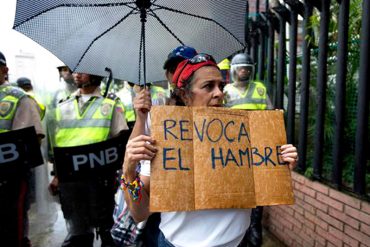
x=321, y=216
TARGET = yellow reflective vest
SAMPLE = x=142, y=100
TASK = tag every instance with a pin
x=75, y=127
x=158, y=95
x=253, y=98
x=41, y=106
x=9, y=99
x=126, y=94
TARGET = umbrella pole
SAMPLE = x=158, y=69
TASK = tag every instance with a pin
x=109, y=81
x=143, y=5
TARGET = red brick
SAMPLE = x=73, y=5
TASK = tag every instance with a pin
x=328, y=236
x=307, y=207
x=344, y=218
x=286, y=223
x=365, y=229
x=346, y=199
x=317, y=244
x=298, y=178
x=329, y=201
x=357, y=214
x=316, y=220
x=365, y=206
x=316, y=203
x=306, y=238
x=276, y=225
x=272, y=209
x=295, y=222
x=319, y=187
x=365, y=239
x=283, y=237
x=330, y=220
x=298, y=209
x=316, y=237
x=298, y=194
x=344, y=237
x=288, y=209
x=275, y=221
x=294, y=236
x=330, y=245
x=306, y=190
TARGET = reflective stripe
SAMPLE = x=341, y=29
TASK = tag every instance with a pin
x=245, y=101
x=74, y=129
x=84, y=123
x=11, y=95
x=93, y=107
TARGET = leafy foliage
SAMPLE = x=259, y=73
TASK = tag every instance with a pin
x=351, y=90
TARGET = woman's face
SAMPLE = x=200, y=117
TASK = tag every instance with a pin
x=206, y=89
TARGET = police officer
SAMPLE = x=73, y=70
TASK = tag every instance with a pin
x=244, y=93
x=126, y=94
x=224, y=67
x=17, y=111
x=66, y=77
x=87, y=117
x=26, y=85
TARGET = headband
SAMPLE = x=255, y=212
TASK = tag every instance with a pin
x=186, y=69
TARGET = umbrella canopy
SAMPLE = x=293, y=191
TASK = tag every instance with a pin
x=132, y=38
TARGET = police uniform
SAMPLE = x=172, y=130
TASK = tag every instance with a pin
x=17, y=111
x=158, y=95
x=126, y=94
x=253, y=98
x=86, y=119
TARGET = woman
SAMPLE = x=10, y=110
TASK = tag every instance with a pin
x=198, y=83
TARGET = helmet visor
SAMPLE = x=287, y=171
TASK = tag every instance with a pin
x=244, y=71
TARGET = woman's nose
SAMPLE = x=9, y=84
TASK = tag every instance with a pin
x=218, y=92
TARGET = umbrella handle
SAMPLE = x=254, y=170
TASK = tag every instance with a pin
x=110, y=77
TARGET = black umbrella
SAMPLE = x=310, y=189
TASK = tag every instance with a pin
x=131, y=38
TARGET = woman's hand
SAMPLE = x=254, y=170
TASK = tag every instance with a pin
x=289, y=154
x=142, y=102
x=138, y=148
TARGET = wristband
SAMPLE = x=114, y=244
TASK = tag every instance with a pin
x=134, y=187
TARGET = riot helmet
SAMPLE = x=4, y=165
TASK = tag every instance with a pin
x=65, y=73
x=242, y=68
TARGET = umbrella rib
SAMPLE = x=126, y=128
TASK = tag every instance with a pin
x=98, y=37
x=75, y=5
x=166, y=27
x=200, y=17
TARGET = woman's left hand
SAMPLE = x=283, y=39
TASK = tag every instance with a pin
x=289, y=154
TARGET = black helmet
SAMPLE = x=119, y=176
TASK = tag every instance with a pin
x=23, y=81
x=2, y=59
x=238, y=61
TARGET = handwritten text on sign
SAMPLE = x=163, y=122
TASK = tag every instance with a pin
x=213, y=158
x=213, y=132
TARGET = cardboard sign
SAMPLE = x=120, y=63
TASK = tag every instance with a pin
x=212, y=158
x=19, y=151
x=101, y=159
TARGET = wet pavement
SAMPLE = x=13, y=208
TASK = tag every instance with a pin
x=53, y=234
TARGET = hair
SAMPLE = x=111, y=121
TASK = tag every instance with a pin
x=178, y=93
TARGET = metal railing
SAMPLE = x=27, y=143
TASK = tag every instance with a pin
x=263, y=29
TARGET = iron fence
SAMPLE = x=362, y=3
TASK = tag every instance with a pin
x=326, y=97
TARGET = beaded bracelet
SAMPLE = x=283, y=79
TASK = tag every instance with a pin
x=134, y=188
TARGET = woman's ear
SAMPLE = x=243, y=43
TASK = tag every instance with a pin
x=184, y=96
